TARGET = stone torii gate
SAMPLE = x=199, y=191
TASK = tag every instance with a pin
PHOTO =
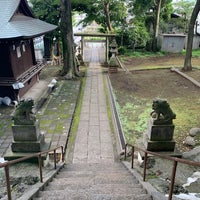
x=107, y=36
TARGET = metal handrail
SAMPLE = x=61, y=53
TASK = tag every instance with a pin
x=7, y=164
x=174, y=159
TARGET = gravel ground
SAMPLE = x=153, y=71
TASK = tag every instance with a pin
x=23, y=176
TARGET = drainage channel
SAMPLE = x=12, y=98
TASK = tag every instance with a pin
x=116, y=116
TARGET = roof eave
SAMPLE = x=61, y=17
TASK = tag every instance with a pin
x=25, y=36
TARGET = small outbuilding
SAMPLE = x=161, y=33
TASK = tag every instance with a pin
x=174, y=43
x=18, y=67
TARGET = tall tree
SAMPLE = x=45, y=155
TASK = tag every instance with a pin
x=106, y=6
x=104, y=12
x=69, y=63
x=188, y=56
x=152, y=11
x=156, y=24
x=48, y=11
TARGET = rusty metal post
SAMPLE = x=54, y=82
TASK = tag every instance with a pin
x=62, y=149
x=145, y=166
x=8, y=182
x=132, y=157
x=172, y=179
x=125, y=151
x=40, y=167
x=82, y=47
x=54, y=156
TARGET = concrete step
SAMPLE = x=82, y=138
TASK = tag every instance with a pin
x=89, y=172
x=95, y=197
x=55, y=185
x=117, y=189
x=71, y=174
x=87, y=195
x=104, y=167
x=97, y=178
x=94, y=182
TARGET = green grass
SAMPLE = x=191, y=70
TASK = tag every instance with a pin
x=77, y=112
x=139, y=54
x=135, y=113
x=76, y=118
x=195, y=53
x=131, y=53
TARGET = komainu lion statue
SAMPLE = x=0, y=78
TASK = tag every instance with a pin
x=162, y=113
x=23, y=114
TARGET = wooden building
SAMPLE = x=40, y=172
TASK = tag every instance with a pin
x=18, y=67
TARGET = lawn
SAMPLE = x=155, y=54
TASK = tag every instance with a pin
x=150, y=77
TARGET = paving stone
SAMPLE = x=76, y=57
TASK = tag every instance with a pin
x=93, y=173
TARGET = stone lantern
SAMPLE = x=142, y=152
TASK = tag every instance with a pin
x=113, y=48
x=79, y=56
x=113, y=63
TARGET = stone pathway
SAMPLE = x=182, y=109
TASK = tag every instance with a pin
x=93, y=141
x=55, y=116
x=94, y=174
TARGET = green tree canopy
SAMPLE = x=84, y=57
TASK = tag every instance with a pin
x=107, y=13
x=49, y=11
x=59, y=12
x=153, y=12
x=184, y=7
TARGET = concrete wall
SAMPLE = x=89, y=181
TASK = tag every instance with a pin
x=172, y=42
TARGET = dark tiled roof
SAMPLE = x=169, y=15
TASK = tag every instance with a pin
x=14, y=24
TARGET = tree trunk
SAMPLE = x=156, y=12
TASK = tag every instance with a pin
x=156, y=25
x=188, y=56
x=107, y=14
x=47, y=48
x=69, y=67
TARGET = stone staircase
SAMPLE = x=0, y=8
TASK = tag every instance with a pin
x=101, y=181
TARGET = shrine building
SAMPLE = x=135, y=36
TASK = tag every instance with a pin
x=19, y=70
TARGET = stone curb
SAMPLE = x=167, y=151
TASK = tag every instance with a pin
x=156, y=195
x=186, y=76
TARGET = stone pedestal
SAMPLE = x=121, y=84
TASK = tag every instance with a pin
x=113, y=70
x=27, y=139
x=159, y=137
x=26, y=132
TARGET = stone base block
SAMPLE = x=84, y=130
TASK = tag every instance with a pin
x=28, y=146
x=139, y=143
x=10, y=155
x=113, y=69
x=160, y=145
x=160, y=132
x=26, y=132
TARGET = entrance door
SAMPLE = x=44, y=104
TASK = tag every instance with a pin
x=94, y=51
